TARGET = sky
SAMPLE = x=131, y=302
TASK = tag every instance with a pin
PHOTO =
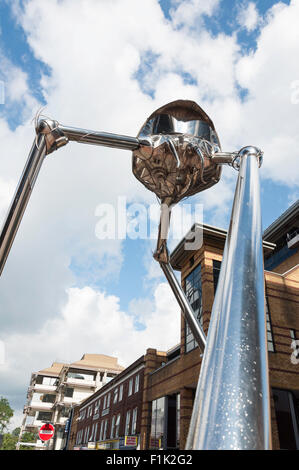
x=107, y=66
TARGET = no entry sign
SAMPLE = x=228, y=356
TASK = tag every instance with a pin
x=46, y=432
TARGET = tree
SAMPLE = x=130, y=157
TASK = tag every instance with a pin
x=5, y=414
x=16, y=432
x=28, y=437
x=9, y=442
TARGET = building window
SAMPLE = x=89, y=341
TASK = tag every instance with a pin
x=157, y=424
x=46, y=380
x=92, y=435
x=286, y=405
x=194, y=295
x=293, y=334
x=96, y=406
x=65, y=412
x=112, y=427
x=105, y=429
x=295, y=346
x=79, y=437
x=101, y=430
x=270, y=340
x=115, y=395
x=45, y=397
x=44, y=416
x=216, y=272
x=108, y=401
x=134, y=421
x=82, y=414
x=127, y=426
x=121, y=388
x=95, y=432
x=136, y=384
x=178, y=412
x=130, y=387
x=117, y=423
x=69, y=392
x=86, y=434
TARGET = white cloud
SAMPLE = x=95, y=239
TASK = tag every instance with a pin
x=91, y=321
x=269, y=118
x=248, y=16
x=188, y=13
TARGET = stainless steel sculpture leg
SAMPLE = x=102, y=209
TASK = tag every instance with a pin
x=184, y=304
x=21, y=197
x=50, y=137
x=231, y=408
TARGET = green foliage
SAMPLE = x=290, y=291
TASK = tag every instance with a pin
x=5, y=414
x=16, y=432
x=28, y=437
x=9, y=442
x=10, y=439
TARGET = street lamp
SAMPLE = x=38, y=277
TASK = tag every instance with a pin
x=177, y=154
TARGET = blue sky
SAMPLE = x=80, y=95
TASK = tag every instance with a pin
x=90, y=69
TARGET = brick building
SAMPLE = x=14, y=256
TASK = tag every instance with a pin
x=168, y=379
x=110, y=418
x=174, y=384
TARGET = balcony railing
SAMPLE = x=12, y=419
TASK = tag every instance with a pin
x=44, y=388
x=41, y=405
x=80, y=382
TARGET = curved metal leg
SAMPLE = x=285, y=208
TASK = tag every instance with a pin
x=231, y=408
x=21, y=197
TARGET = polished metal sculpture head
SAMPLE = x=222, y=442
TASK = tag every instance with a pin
x=177, y=163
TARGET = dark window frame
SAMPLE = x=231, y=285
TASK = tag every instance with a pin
x=193, y=277
x=269, y=327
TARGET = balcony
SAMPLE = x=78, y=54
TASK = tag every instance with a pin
x=38, y=405
x=31, y=424
x=44, y=388
x=80, y=382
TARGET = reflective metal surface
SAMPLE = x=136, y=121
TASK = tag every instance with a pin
x=231, y=408
x=178, y=163
x=21, y=197
x=105, y=139
x=50, y=136
x=183, y=302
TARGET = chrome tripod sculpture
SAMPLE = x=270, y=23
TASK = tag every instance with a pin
x=177, y=154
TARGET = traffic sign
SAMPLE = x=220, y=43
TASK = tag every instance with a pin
x=46, y=432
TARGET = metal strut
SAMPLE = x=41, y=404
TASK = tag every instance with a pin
x=231, y=408
x=50, y=136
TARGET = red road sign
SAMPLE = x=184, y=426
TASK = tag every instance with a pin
x=46, y=432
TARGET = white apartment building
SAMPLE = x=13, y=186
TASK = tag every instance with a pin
x=53, y=391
